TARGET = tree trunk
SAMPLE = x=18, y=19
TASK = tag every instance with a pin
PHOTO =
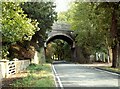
x=113, y=32
x=45, y=52
x=110, y=55
x=114, y=61
x=58, y=57
x=109, y=52
x=119, y=55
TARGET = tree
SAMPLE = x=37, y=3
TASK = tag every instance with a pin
x=50, y=52
x=96, y=25
x=59, y=49
x=114, y=13
x=15, y=25
x=63, y=17
x=67, y=52
x=45, y=14
x=83, y=22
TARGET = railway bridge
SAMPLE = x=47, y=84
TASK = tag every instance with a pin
x=63, y=32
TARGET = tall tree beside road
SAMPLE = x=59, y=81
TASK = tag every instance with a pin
x=44, y=13
x=113, y=8
x=15, y=25
x=96, y=26
x=85, y=23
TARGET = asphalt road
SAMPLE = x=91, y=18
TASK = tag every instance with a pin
x=81, y=75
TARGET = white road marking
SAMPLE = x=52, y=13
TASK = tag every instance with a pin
x=54, y=76
x=107, y=72
x=59, y=81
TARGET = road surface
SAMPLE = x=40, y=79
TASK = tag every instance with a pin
x=80, y=75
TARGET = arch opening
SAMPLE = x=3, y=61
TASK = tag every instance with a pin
x=64, y=37
x=58, y=50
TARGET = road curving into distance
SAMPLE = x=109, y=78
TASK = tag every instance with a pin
x=82, y=76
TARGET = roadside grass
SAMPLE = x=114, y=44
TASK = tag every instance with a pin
x=111, y=69
x=38, y=76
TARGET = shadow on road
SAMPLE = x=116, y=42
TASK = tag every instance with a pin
x=61, y=62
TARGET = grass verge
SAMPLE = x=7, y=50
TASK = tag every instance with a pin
x=117, y=70
x=38, y=76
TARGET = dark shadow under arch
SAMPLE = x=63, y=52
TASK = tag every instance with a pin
x=61, y=36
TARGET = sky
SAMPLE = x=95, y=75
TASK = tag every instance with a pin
x=62, y=5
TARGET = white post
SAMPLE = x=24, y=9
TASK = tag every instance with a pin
x=97, y=57
x=103, y=57
x=42, y=56
x=36, y=59
x=100, y=56
x=108, y=59
x=7, y=69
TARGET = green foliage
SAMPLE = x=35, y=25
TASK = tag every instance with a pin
x=112, y=10
x=92, y=24
x=107, y=21
x=39, y=76
x=15, y=25
x=84, y=20
x=4, y=51
x=60, y=49
x=43, y=12
x=63, y=17
x=96, y=25
x=50, y=52
x=34, y=68
x=117, y=70
x=66, y=51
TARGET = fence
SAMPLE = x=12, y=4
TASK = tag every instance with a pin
x=8, y=68
x=101, y=56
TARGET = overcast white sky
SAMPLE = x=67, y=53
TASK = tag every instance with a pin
x=62, y=5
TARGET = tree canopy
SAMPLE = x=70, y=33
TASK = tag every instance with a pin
x=43, y=12
x=96, y=26
x=15, y=25
x=58, y=49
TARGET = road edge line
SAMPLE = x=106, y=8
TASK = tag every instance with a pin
x=56, y=75
x=106, y=71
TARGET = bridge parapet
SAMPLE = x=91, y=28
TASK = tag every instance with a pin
x=66, y=36
x=67, y=32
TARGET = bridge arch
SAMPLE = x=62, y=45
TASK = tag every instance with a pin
x=62, y=31
x=62, y=36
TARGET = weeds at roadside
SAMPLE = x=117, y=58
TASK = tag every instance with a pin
x=38, y=76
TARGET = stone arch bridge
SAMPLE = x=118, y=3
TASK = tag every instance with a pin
x=66, y=35
x=62, y=31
